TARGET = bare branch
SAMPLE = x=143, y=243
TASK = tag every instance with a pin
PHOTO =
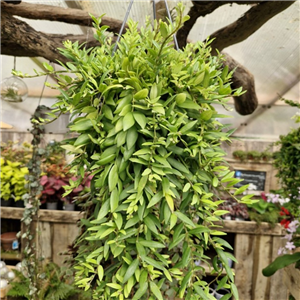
x=201, y=9
x=246, y=103
x=245, y=26
x=54, y=13
x=19, y=36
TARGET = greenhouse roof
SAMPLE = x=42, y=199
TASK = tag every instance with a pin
x=271, y=53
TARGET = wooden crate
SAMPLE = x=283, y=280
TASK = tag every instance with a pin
x=292, y=280
x=56, y=231
x=255, y=247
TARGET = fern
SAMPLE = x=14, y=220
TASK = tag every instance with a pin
x=60, y=292
x=19, y=288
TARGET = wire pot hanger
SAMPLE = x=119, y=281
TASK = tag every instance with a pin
x=154, y=16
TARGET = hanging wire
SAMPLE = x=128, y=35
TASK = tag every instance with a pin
x=154, y=10
x=122, y=27
x=43, y=89
x=170, y=18
x=15, y=62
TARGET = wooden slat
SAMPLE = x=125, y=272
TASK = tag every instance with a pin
x=277, y=279
x=44, y=215
x=292, y=280
x=261, y=258
x=63, y=236
x=251, y=227
x=244, y=254
x=45, y=240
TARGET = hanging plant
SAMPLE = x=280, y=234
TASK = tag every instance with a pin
x=148, y=132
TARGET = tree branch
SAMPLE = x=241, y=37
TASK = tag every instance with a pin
x=245, y=26
x=19, y=39
x=201, y=9
x=53, y=13
x=246, y=103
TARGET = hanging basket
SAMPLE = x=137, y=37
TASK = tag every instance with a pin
x=13, y=89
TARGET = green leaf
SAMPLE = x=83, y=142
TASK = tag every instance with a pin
x=151, y=244
x=128, y=121
x=176, y=241
x=189, y=105
x=234, y=291
x=141, y=291
x=132, y=136
x=206, y=115
x=178, y=165
x=185, y=219
x=113, y=178
x=281, y=262
x=173, y=221
x=198, y=229
x=170, y=202
x=163, y=28
x=155, y=290
x=82, y=125
x=140, y=119
x=142, y=94
x=131, y=222
x=188, y=127
x=150, y=224
x=130, y=270
x=83, y=139
x=100, y=272
x=114, y=200
x=103, y=210
x=180, y=98
x=48, y=67
x=155, y=199
x=241, y=189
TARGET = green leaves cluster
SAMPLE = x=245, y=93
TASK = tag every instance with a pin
x=13, y=179
x=147, y=129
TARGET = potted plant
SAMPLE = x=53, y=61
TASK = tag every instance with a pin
x=239, y=154
x=13, y=182
x=266, y=155
x=56, y=177
x=235, y=210
x=74, y=193
x=267, y=209
x=253, y=155
x=145, y=128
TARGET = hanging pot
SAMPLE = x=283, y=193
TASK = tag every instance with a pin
x=13, y=89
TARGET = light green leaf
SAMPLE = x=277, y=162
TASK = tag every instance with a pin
x=100, y=272
x=155, y=290
x=114, y=200
x=155, y=199
x=151, y=244
x=130, y=270
x=113, y=178
x=184, y=219
x=128, y=121
x=140, y=119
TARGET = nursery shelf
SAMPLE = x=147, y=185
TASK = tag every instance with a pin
x=11, y=256
x=61, y=216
